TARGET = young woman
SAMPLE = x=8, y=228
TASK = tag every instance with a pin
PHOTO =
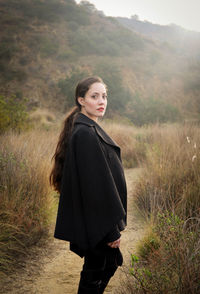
x=89, y=176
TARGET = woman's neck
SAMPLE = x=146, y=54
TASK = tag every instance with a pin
x=95, y=118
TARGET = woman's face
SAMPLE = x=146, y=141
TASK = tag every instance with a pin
x=95, y=101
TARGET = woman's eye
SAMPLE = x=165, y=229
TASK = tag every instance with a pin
x=96, y=96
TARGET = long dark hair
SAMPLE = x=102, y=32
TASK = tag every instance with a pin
x=59, y=155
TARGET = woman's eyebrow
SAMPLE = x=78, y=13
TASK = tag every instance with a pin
x=98, y=93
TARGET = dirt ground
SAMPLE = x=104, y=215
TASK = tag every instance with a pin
x=53, y=269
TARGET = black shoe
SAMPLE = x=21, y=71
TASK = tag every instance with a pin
x=96, y=289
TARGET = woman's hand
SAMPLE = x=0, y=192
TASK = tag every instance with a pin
x=115, y=244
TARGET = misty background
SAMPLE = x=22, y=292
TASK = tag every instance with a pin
x=152, y=71
x=151, y=66
x=182, y=13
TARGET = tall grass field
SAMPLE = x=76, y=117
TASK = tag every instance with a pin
x=25, y=196
x=27, y=202
x=167, y=194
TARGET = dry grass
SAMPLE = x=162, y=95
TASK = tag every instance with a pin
x=168, y=259
x=168, y=194
x=170, y=157
x=171, y=176
x=131, y=141
x=26, y=197
x=42, y=117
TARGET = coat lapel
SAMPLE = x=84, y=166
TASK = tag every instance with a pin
x=83, y=119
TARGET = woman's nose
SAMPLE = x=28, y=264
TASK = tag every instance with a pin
x=101, y=100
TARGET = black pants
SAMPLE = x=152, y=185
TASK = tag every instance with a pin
x=99, y=266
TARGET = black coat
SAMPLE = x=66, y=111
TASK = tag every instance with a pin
x=93, y=198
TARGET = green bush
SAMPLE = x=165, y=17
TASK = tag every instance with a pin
x=7, y=49
x=172, y=267
x=49, y=10
x=151, y=110
x=118, y=94
x=13, y=23
x=68, y=85
x=104, y=41
x=67, y=54
x=168, y=258
x=148, y=245
x=48, y=47
x=13, y=114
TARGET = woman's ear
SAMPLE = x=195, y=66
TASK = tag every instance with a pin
x=81, y=101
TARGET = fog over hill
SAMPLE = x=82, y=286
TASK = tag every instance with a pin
x=184, y=41
x=46, y=46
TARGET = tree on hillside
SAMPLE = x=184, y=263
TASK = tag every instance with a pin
x=13, y=113
x=151, y=110
x=135, y=17
x=118, y=95
x=68, y=85
x=89, y=6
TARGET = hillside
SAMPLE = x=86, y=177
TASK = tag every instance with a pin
x=183, y=41
x=46, y=46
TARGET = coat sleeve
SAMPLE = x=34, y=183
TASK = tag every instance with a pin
x=113, y=235
x=101, y=203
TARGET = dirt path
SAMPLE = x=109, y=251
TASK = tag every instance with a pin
x=56, y=270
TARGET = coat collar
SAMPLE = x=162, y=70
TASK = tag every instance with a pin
x=83, y=119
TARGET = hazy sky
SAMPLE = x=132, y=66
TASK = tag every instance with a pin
x=185, y=13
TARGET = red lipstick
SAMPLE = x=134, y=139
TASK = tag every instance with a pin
x=100, y=109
